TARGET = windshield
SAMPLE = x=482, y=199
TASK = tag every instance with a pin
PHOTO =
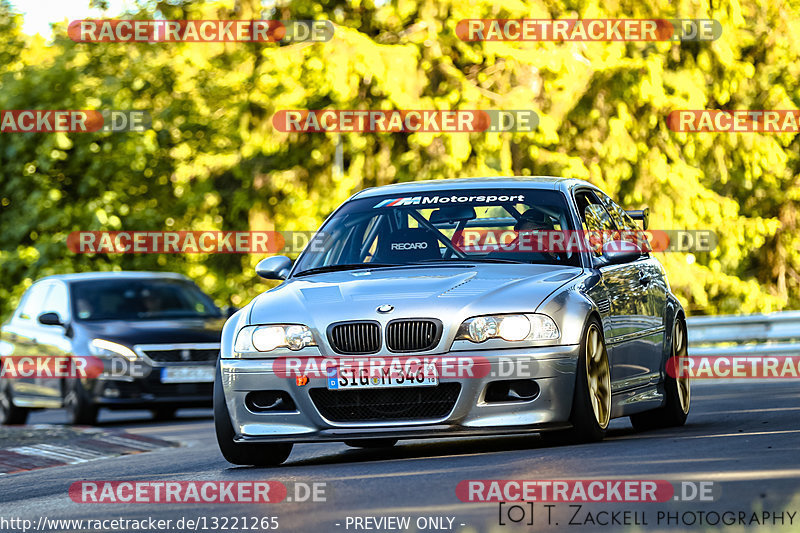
x=439, y=227
x=130, y=299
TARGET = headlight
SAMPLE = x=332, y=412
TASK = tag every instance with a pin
x=104, y=348
x=532, y=327
x=267, y=338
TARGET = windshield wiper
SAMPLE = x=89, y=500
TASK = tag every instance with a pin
x=349, y=266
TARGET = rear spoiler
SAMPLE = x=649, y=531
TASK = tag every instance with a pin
x=640, y=214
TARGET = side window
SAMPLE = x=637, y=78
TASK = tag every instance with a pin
x=34, y=301
x=595, y=219
x=57, y=301
x=625, y=222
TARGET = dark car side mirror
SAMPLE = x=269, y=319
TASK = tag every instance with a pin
x=275, y=267
x=50, y=319
x=619, y=252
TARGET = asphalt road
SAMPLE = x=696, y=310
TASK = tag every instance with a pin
x=742, y=436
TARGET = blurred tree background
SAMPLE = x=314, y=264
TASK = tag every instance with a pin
x=214, y=161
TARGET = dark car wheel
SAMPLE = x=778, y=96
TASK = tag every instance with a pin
x=677, y=390
x=80, y=409
x=10, y=414
x=242, y=453
x=371, y=443
x=591, y=403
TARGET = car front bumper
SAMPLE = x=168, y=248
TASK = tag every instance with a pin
x=552, y=368
x=145, y=392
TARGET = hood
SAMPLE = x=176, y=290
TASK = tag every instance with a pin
x=450, y=294
x=172, y=331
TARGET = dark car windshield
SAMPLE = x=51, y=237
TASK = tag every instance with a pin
x=439, y=227
x=132, y=299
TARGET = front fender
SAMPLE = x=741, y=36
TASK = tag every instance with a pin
x=570, y=308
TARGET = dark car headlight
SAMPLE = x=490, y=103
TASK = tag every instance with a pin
x=512, y=328
x=270, y=337
x=104, y=348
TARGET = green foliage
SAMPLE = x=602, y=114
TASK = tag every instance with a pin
x=214, y=161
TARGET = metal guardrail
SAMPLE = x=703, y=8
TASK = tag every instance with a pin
x=743, y=335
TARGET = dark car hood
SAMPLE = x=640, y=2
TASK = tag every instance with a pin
x=183, y=330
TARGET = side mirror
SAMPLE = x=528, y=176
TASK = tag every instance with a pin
x=50, y=319
x=619, y=252
x=275, y=267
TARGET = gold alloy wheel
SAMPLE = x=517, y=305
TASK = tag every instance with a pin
x=598, y=376
x=679, y=350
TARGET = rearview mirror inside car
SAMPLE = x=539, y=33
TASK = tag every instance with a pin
x=275, y=267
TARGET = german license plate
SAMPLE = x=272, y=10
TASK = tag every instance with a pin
x=361, y=378
x=187, y=374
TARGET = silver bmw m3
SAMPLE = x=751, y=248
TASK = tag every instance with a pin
x=455, y=307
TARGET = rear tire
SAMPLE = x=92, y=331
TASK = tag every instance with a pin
x=371, y=443
x=242, y=453
x=80, y=409
x=591, y=403
x=10, y=414
x=677, y=390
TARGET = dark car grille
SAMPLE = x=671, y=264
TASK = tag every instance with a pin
x=353, y=338
x=412, y=335
x=413, y=403
x=176, y=356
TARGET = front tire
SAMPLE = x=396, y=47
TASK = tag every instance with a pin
x=242, y=453
x=677, y=390
x=10, y=414
x=591, y=403
x=80, y=409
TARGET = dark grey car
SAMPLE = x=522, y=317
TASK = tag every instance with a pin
x=155, y=337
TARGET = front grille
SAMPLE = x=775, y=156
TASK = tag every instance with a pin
x=182, y=355
x=355, y=338
x=413, y=335
x=364, y=405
